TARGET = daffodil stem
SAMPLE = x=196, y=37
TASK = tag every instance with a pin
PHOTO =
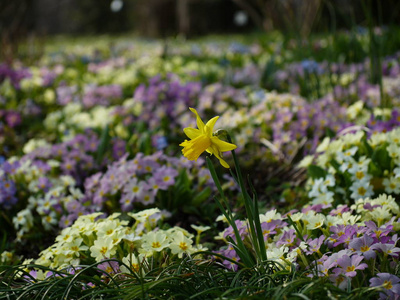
x=239, y=245
x=251, y=206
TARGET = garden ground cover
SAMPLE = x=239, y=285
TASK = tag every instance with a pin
x=105, y=191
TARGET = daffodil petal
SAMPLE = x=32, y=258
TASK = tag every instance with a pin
x=199, y=122
x=223, y=163
x=214, y=150
x=210, y=125
x=221, y=160
x=191, y=133
x=221, y=145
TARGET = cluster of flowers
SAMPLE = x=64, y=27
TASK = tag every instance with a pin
x=32, y=196
x=14, y=75
x=375, y=119
x=165, y=100
x=361, y=88
x=152, y=108
x=283, y=122
x=7, y=185
x=343, y=82
x=73, y=119
x=294, y=122
x=10, y=118
x=334, y=243
x=94, y=239
x=40, y=190
x=354, y=167
x=92, y=95
x=140, y=182
x=113, y=77
x=378, y=123
x=76, y=157
x=9, y=121
x=49, y=178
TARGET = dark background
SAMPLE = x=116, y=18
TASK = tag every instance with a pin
x=34, y=20
x=161, y=17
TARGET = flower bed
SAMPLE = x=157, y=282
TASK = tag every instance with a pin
x=102, y=191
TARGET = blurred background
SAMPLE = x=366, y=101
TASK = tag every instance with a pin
x=157, y=18
x=35, y=20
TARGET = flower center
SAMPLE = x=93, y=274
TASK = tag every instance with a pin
x=156, y=245
x=135, y=267
x=183, y=246
x=359, y=175
x=361, y=191
x=350, y=268
x=387, y=284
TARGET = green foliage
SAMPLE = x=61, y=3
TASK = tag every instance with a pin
x=316, y=171
x=104, y=143
x=190, y=279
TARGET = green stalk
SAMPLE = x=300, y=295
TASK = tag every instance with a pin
x=239, y=246
x=374, y=53
x=251, y=211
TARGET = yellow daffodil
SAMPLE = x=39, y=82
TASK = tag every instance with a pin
x=202, y=139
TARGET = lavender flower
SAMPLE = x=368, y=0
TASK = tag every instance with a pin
x=389, y=284
x=288, y=238
x=315, y=244
x=111, y=267
x=387, y=249
x=348, y=265
x=362, y=246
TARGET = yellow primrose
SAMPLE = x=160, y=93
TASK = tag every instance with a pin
x=202, y=139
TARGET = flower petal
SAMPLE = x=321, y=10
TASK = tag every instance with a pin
x=221, y=145
x=199, y=122
x=210, y=126
x=214, y=150
x=191, y=133
x=222, y=161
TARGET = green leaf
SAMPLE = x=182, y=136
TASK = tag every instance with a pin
x=199, y=198
x=182, y=180
x=104, y=142
x=367, y=147
x=181, y=191
x=374, y=170
x=381, y=158
x=316, y=172
x=335, y=164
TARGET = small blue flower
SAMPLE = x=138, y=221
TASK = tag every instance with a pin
x=161, y=143
x=311, y=66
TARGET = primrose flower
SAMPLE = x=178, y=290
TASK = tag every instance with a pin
x=111, y=267
x=180, y=244
x=349, y=265
x=102, y=248
x=154, y=241
x=362, y=246
x=202, y=139
x=200, y=229
x=389, y=283
x=134, y=263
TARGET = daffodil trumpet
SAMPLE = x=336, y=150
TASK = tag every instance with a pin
x=203, y=139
